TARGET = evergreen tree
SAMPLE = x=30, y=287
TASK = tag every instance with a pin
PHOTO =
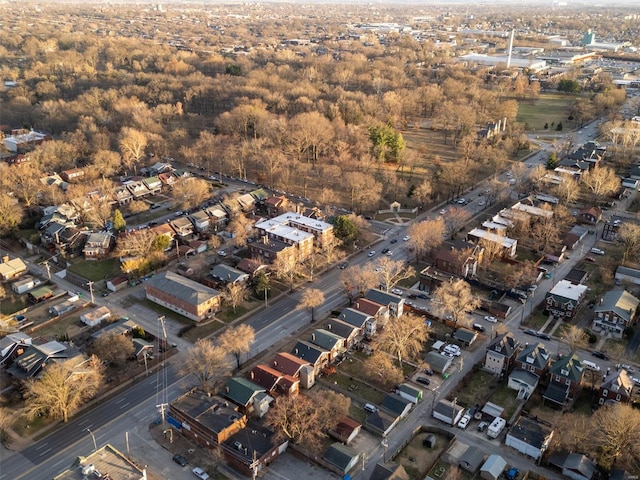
x=119, y=222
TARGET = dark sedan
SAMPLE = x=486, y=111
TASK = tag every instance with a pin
x=600, y=355
x=180, y=460
x=423, y=380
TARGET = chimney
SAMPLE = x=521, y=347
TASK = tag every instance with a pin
x=296, y=351
x=252, y=375
x=313, y=337
x=357, y=305
x=328, y=326
x=226, y=389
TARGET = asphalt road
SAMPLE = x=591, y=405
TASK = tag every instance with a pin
x=136, y=407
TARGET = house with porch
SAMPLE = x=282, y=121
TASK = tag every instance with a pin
x=394, y=303
x=564, y=299
x=182, y=226
x=274, y=382
x=565, y=380
x=349, y=333
x=294, y=367
x=365, y=323
x=330, y=341
x=98, y=245
x=616, y=387
x=380, y=313
x=615, y=311
x=317, y=356
x=200, y=220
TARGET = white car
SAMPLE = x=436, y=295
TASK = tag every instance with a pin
x=490, y=319
x=452, y=350
x=597, y=251
x=222, y=253
x=406, y=238
x=389, y=253
x=443, y=211
x=464, y=421
x=200, y=473
x=397, y=291
x=371, y=253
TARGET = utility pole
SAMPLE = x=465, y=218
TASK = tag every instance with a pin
x=95, y=446
x=254, y=466
x=90, y=285
x=46, y=265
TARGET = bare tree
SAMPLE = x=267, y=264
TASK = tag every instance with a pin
x=208, y=362
x=241, y=227
x=380, y=369
x=190, y=192
x=601, y=181
x=132, y=145
x=237, y=340
x=426, y=236
x=392, y=272
x=363, y=278
x=113, y=347
x=288, y=269
x=403, y=337
x=575, y=338
x=629, y=233
x=62, y=389
x=306, y=421
x=455, y=299
x=235, y=293
x=455, y=219
x=618, y=437
x=311, y=299
x=11, y=214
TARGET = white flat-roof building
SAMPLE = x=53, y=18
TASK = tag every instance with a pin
x=531, y=210
x=20, y=139
x=492, y=61
x=509, y=244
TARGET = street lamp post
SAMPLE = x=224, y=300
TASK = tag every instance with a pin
x=95, y=446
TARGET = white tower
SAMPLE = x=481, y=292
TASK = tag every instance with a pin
x=510, y=48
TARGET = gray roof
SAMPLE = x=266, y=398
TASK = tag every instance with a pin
x=618, y=381
x=471, y=459
x=530, y=432
x=354, y=317
x=227, y=274
x=395, y=404
x=339, y=327
x=556, y=392
x=525, y=376
x=580, y=463
x=308, y=352
x=494, y=465
x=326, y=339
x=620, y=302
x=383, y=298
x=437, y=361
x=503, y=344
x=183, y=288
x=629, y=272
x=340, y=456
x=464, y=335
x=447, y=409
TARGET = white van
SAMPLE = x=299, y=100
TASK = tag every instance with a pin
x=591, y=365
x=452, y=350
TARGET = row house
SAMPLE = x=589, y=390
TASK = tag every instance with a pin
x=273, y=381
x=394, y=303
x=251, y=399
x=380, y=313
x=563, y=299
x=350, y=333
x=364, y=322
x=182, y=226
x=317, y=357
x=294, y=367
x=329, y=341
x=217, y=215
x=509, y=245
x=616, y=311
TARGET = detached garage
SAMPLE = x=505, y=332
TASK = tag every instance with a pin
x=493, y=467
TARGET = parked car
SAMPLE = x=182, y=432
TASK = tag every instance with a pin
x=600, y=355
x=200, y=473
x=589, y=259
x=423, y=380
x=529, y=331
x=478, y=328
x=482, y=426
x=452, y=350
x=423, y=296
x=544, y=336
x=597, y=251
x=180, y=460
x=625, y=366
x=428, y=371
x=490, y=319
x=464, y=421
x=397, y=291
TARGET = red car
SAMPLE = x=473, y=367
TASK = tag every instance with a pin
x=589, y=259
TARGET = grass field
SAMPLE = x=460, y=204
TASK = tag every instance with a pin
x=96, y=270
x=549, y=108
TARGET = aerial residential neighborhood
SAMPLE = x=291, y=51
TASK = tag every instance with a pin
x=281, y=241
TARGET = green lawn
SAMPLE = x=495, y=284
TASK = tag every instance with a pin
x=474, y=388
x=506, y=398
x=549, y=108
x=358, y=388
x=96, y=270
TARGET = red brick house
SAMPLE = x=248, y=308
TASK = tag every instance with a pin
x=182, y=295
x=616, y=387
x=274, y=382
